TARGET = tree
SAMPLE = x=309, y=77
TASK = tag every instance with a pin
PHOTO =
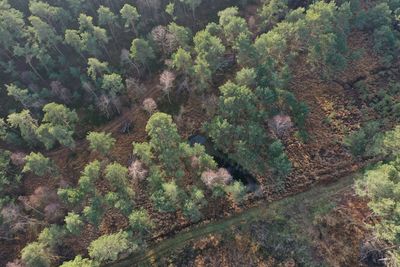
x=170, y=10
x=117, y=175
x=208, y=48
x=79, y=262
x=272, y=12
x=12, y=26
x=244, y=142
x=232, y=24
x=44, y=34
x=94, y=212
x=51, y=236
x=164, y=140
x=112, y=84
x=181, y=35
x=88, y=38
x=140, y=222
x=21, y=95
x=202, y=73
x=278, y=160
x=167, y=79
x=26, y=124
x=96, y=67
x=130, y=14
x=101, y=142
x=73, y=223
x=142, y=52
x=107, y=248
x=106, y=17
x=36, y=255
x=237, y=191
x=57, y=125
x=149, y=105
x=37, y=163
x=182, y=61
x=3, y=129
x=246, y=77
x=193, y=4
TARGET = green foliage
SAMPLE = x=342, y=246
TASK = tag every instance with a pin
x=26, y=125
x=38, y=164
x=272, y=12
x=79, y=262
x=73, y=223
x=88, y=39
x=182, y=61
x=170, y=10
x=3, y=129
x=140, y=222
x=106, y=17
x=232, y=25
x=21, y=95
x=242, y=141
x=363, y=142
x=246, y=77
x=381, y=186
x=8, y=178
x=182, y=35
x=191, y=207
x=51, y=236
x=142, y=52
x=193, y=4
x=208, y=48
x=35, y=255
x=320, y=32
x=278, y=159
x=237, y=191
x=112, y=84
x=164, y=141
x=101, y=142
x=130, y=14
x=107, y=248
x=117, y=175
x=96, y=67
x=57, y=125
x=94, y=212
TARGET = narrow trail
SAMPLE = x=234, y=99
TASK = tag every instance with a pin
x=263, y=210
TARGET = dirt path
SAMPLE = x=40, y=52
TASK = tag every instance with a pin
x=264, y=210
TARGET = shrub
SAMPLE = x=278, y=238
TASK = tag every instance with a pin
x=73, y=223
x=107, y=248
x=36, y=255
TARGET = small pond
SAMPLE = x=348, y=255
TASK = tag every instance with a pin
x=238, y=172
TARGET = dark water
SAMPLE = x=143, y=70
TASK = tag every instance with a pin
x=238, y=172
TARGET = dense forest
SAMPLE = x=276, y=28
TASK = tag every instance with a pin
x=125, y=123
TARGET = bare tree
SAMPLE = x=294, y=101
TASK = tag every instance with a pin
x=149, y=105
x=104, y=104
x=214, y=178
x=60, y=91
x=280, y=124
x=167, y=79
x=165, y=40
x=18, y=158
x=137, y=171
